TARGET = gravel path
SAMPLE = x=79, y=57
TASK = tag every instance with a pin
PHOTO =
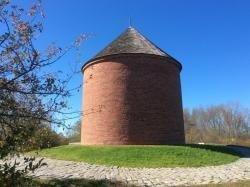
x=239, y=170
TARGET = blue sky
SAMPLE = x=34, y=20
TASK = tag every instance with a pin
x=210, y=38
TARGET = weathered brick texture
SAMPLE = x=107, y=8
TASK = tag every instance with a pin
x=132, y=99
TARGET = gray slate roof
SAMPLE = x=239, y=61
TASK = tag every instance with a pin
x=131, y=41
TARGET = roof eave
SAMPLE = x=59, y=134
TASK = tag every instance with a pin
x=172, y=60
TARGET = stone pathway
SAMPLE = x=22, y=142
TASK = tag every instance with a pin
x=239, y=170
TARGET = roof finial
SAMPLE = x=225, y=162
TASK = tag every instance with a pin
x=130, y=22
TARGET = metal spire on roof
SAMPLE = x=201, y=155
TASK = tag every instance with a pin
x=130, y=22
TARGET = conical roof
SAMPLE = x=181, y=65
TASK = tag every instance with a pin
x=131, y=41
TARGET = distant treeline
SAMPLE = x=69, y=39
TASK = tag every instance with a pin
x=223, y=124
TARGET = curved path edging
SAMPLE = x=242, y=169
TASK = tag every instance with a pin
x=59, y=169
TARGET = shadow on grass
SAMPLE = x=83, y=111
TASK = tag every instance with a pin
x=77, y=183
x=235, y=150
x=245, y=183
x=107, y=183
x=242, y=150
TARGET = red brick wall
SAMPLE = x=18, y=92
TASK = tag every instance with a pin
x=132, y=99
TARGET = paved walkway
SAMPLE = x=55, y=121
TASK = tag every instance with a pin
x=239, y=170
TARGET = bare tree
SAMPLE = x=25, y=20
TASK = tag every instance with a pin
x=192, y=134
x=74, y=133
x=30, y=93
x=228, y=123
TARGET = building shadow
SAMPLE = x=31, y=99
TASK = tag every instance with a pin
x=241, y=151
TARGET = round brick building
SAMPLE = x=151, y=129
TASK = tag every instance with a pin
x=132, y=94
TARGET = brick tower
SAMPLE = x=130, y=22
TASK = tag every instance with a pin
x=132, y=94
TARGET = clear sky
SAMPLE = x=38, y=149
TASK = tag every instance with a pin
x=210, y=38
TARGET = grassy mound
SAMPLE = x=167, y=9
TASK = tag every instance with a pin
x=145, y=156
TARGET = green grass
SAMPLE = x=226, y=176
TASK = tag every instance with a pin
x=144, y=156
